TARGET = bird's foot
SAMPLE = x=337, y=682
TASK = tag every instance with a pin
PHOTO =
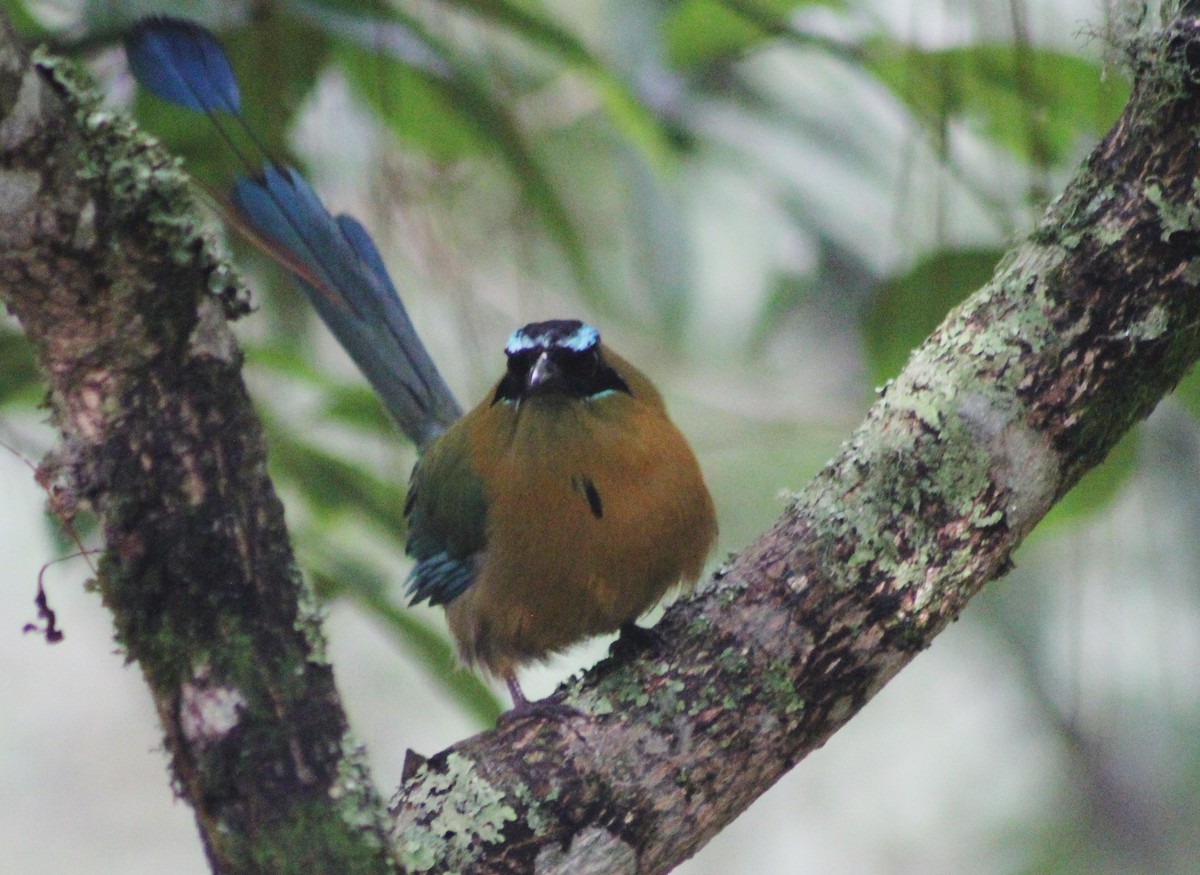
x=636, y=640
x=543, y=709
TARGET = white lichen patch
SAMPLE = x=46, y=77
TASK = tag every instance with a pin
x=208, y=712
x=18, y=188
x=1152, y=326
x=1023, y=461
x=85, y=235
x=444, y=817
x=591, y=850
x=24, y=120
x=354, y=790
x=87, y=407
x=211, y=338
x=1174, y=217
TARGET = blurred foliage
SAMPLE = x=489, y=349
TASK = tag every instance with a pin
x=909, y=306
x=699, y=32
x=1097, y=488
x=346, y=576
x=20, y=382
x=690, y=170
x=1037, y=103
x=448, y=82
x=1188, y=392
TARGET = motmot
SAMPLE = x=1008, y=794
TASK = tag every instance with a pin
x=564, y=505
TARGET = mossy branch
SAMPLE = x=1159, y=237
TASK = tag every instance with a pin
x=1084, y=327
x=126, y=305
x=1028, y=384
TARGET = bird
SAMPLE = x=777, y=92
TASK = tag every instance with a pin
x=564, y=505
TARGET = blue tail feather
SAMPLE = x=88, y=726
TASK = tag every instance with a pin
x=182, y=63
x=335, y=259
x=391, y=308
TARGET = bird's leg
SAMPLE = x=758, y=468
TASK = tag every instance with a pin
x=514, y=690
x=543, y=708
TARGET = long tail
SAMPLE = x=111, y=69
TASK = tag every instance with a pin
x=334, y=259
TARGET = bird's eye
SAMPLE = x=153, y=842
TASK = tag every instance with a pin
x=567, y=372
x=519, y=363
x=516, y=373
x=578, y=365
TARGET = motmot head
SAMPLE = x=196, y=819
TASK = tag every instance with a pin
x=562, y=356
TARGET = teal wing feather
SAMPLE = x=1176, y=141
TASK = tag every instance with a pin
x=446, y=512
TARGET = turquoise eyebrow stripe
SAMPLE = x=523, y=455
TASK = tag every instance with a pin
x=583, y=338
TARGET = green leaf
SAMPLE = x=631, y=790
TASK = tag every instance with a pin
x=318, y=10
x=622, y=106
x=20, y=382
x=332, y=485
x=287, y=360
x=377, y=29
x=702, y=31
x=528, y=170
x=1036, y=102
x=413, y=103
x=354, y=403
x=357, y=405
x=907, y=308
x=274, y=84
x=32, y=30
x=464, y=105
x=1188, y=392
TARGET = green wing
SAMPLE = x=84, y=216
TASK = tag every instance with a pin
x=446, y=511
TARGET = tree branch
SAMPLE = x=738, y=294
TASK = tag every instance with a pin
x=1025, y=386
x=125, y=305
x=1085, y=326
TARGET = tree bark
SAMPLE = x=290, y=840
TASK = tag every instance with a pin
x=1082, y=330
x=125, y=304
